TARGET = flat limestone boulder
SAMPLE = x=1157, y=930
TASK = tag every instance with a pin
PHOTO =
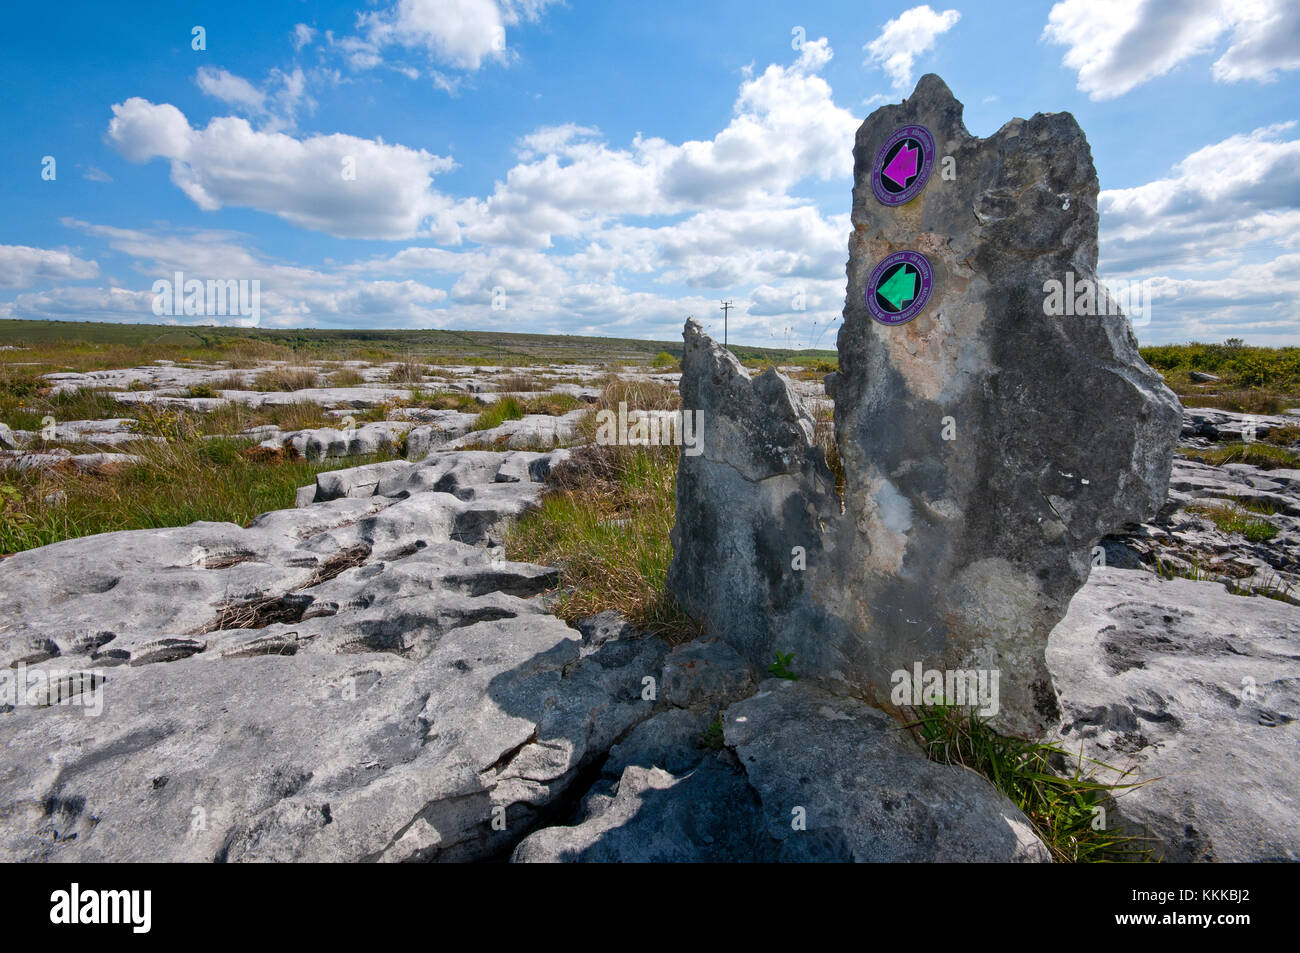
x=862, y=787
x=803, y=776
x=987, y=445
x=1193, y=690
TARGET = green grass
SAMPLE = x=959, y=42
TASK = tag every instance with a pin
x=176, y=484
x=1239, y=401
x=1060, y=806
x=552, y=405
x=22, y=409
x=605, y=520
x=1266, y=456
x=1273, y=585
x=287, y=379
x=444, y=400
x=346, y=377
x=494, y=415
x=1230, y=519
x=1256, y=505
x=1283, y=436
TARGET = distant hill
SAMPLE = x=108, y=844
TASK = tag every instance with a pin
x=486, y=346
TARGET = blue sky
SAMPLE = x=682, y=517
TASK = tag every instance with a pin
x=608, y=168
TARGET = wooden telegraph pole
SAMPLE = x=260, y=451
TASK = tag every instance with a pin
x=726, y=306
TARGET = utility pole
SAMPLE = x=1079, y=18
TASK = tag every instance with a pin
x=726, y=306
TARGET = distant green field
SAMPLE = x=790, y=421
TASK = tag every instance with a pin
x=55, y=339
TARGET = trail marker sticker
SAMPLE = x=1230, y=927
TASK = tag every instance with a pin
x=900, y=287
x=903, y=165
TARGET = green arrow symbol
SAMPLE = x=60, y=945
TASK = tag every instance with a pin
x=899, y=289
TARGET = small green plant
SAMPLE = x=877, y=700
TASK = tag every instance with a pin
x=712, y=737
x=201, y=390
x=781, y=667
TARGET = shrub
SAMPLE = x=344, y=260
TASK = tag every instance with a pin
x=406, y=372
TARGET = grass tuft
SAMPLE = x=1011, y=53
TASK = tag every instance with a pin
x=1062, y=808
x=1262, y=455
x=605, y=520
x=507, y=408
x=1230, y=519
x=286, y=379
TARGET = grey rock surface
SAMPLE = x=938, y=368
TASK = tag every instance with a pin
x=1184, y=538
x=528, y=432
x=346, y=681
x=50, y=459
x=808, y=776
x=958, y=553
x=1196, y=692
x=329, y=442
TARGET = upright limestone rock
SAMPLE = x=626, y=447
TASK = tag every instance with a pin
x=991, y=433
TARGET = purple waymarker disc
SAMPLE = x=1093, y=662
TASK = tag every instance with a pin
x=899, y=288
x=903, y=165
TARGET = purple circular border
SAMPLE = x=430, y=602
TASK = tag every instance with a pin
x=922, y=265
x=883, y=195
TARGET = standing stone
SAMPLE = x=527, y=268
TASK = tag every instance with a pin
x=987, y=445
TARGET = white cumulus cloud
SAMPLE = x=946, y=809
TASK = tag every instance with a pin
x=1117, y=45
x=304, y=181
x=906, y=37
x=22, y=266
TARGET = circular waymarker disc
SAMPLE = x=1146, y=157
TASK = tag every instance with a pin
x=899, y=287
x=903, y=165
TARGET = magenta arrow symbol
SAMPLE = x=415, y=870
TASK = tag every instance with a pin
x=903, y=165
